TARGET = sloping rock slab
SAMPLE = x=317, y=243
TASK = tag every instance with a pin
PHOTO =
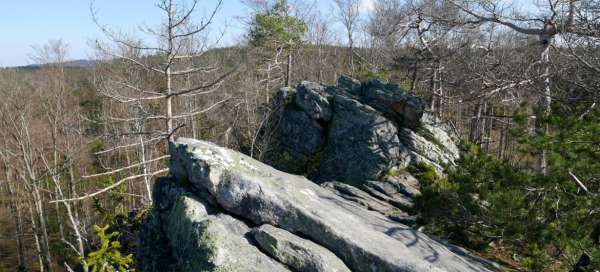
x=364, y=240
x=295, y=252
x=397, y=190
x=370, y=202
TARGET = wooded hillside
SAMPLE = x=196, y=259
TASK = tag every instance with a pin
x=82, y=146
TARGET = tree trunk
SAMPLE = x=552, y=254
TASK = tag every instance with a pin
x=43, y=227
x=36, y=237
x=545, y=103
x=351, y=48
x=289, y=68
x=17, y=220
x=169, y=79
x=145, y=169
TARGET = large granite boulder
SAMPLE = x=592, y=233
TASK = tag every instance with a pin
x=186, y=233
x=358, y=134
x=355, y=132
x=311, y=99
x=361, y=143
x=216, y=208
x=404, y=108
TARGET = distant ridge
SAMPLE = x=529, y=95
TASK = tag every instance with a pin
x=81, y=64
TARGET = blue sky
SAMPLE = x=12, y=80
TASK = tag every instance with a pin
x=25, y=23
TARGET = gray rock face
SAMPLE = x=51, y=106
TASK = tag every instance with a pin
x=203, y=242
x=364, y=240
x=299, y=139
x=423, y=150
x=387, y=98
x=355, y=132
x=362, y=143
x=310, y=97
x=399, y=186
x=350, y=84
x=297, y=253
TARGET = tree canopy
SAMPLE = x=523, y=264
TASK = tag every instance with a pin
x=276, y=27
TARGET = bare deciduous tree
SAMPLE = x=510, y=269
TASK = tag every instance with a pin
x=348, y=12
x=172, y=61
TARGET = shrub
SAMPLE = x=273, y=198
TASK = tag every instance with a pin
x=544, y=221
x=108, y=257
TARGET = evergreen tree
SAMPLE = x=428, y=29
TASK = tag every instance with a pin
x=276, y=29
x=549, y=222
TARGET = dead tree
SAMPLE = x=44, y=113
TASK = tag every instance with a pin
x=557, y=19
x=348, y=12
x=170, y=60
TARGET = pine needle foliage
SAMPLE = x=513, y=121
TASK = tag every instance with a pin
x=108, y=257
x=544, y=222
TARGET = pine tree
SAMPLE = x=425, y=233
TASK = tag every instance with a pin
x=275, y=29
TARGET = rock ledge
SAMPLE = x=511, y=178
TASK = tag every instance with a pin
x=223, y=211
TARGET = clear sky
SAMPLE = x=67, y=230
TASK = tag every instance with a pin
x=24, y=23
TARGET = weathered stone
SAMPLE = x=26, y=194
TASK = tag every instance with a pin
x=284, y=97
x=310, y=97
x=391, y=101
x=298, y=253
x=203, y=242
x=298, y=138
x=165, y=192
x=364, y=240
x=361, y=145
x=366, y=200
x=363, y=130
x=352, y=85
x=399, y=201
x=300, y=133
x=399, y=182
x=425, y=147
x=440, y=134
x=398, y=189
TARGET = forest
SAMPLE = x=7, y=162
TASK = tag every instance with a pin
x=517, y=82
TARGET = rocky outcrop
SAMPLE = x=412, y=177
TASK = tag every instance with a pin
x=355, y=132
x=207, y=242
x=358, y=139
x=224, y=211
x=361, y=144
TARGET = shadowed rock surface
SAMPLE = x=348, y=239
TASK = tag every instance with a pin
x=355, y=132
x=364, y=135
x=249, y=194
